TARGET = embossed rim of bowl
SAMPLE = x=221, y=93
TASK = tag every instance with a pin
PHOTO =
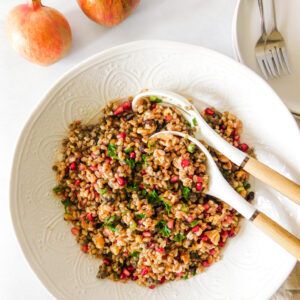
x=81, y=67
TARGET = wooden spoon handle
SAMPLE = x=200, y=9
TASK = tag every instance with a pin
x=277, y=233
x=274, y=179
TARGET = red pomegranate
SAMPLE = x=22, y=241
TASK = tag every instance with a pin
x=38, y=33
x=108, y=12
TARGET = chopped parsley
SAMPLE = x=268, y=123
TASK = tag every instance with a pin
x=191, y=148
x=165, y=231
x=103, y=191
x=185, y=193
x=153, y=198
x=130, y=162
x=179, y=237
x=168, y=208
x=189, y=124
x=184, y=208
x=133, y=187
x=109, y=223
x=151, y=145
x=145, y=158
x=141, y=216
x=134, y=254
x=155, y=99
x=57, y=188
x=66, y=203
x=194, y=223
x=111, y=151
x=128, y=150
x=247, y=186
x=240, y=188
x=185, y=277
x=195, y=122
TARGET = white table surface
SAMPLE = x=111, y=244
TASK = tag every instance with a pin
x=22, y=84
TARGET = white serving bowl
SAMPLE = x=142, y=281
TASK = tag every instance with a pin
x=253, y=267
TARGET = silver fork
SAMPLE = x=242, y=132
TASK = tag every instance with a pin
x=260, y=45
x=275, y=49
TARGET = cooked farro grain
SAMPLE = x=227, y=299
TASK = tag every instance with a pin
x=140, y=203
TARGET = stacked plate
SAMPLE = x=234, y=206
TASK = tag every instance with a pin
x=247, y=30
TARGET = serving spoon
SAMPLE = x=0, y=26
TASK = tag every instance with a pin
x=259, y=170
x=218, y=187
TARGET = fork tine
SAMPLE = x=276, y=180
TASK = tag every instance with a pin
x=268, y=68
x=262, y=66
x=285, y=58
x=275, y=57
x=279, y=55
x=270, y=62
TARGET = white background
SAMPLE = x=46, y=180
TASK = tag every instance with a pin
x=22, y=84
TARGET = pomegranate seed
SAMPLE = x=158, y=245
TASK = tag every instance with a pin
x=126, y=253
x=73, y=166
x=119, y=110
x=185, y=163
x=123, y=276
x=190, y=176
x=126, y=105
x=244, y=147
x=161, y=281
x=77, y=182
x=152, y=245
x=221, y=244
x=126, y=272
x=205, y=263
x=179, y=274
x=153, y=105
x=122, y=135
x=134, y=278
x=196, y=228
x=164, y=256
x=108, y=160
x=170, y=224
x=199, y=179
x=174, y=179
x=168, y=118
x=190, y=219
x=96, y=195
x=224, y=234
x=212, y=251
x=231, y=232
x=144, y=271
x=94, y=168
x=219, y=208
x=121, y=181
x=233, y=133
x=85, y=248
x=106, y=261
x=204, y=238
x=236, y=144
x=143, y=172
x=64, y=197
x=236, y=137
x=152, y=187
x=198, y=186
x=75, y=231
x=131, y=269
x=141, y=187
x=206, y=206
x=160, y=249
x=140, y=222
x=152, y=287
x=106, y=231
x=146, y=234
x=209, y=111
x=132, y=155
x=90, y=217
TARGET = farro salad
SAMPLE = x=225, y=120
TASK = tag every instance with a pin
x=139, y=203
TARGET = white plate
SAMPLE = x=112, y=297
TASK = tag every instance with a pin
x=246, y=31
x=253, y=266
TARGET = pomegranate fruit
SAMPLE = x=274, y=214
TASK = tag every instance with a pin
x=108, y=12
x=38, y=33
